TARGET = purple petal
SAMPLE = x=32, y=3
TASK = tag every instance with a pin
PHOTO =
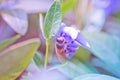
x=71, y=49
x=82, y=42
x=60, y=40
x=61, y=33
x=72, y=40
x=70, y=55
x=59, y=46
x=67, y=37
x=60, y=30
x=73, y=44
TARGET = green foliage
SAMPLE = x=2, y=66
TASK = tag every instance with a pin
x=118, y=16
x=108, y=69
x=38, y=59
x=52, y=20
x=68, y=5
x=74, y=69
x=16, y=58
x=9, y=41
x=82, y=54
x=106, y=48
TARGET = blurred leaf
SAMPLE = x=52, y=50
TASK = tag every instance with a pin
x=17, y=20
x=75, y=69
x=82, y=54
x=52, y=20
x=117, y=16
x=38, y=59
x=31, y=69
x=9, y=41
x=106, y=68
x=16, y=58
x=68, y=5
x=95, y=77
x=106, y=47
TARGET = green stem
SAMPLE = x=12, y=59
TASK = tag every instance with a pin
x=46, y=55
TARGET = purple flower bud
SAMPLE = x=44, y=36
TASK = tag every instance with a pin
x=68, y=41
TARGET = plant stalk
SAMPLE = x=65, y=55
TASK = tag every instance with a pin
x=46, y=54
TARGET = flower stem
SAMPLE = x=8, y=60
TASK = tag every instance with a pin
x=46, y=55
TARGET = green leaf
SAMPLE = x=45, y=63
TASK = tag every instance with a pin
x=52, y=20
x=1, y=1
x=107, y=48
x=68, y=5
x=107, y=69
x=82, y=54
x=117, y=16
x=75, y=69
x=9, y=41
x=95, y=77
x=38, y=59
x=16, y=58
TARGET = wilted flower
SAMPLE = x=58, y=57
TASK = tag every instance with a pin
x=68, y=40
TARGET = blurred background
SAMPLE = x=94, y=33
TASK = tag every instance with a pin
x=97, y=20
